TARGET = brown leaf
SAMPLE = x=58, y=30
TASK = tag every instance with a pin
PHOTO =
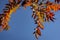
x=26, y=3
x=37, y=32
x=57, y=1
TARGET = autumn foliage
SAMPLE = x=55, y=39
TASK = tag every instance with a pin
x=41, y=12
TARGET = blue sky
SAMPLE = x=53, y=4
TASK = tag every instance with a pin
x=22, y=26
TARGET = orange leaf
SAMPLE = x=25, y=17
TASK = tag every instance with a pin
x=40, y=25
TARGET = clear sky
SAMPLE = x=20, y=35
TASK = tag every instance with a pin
x=22, y=26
